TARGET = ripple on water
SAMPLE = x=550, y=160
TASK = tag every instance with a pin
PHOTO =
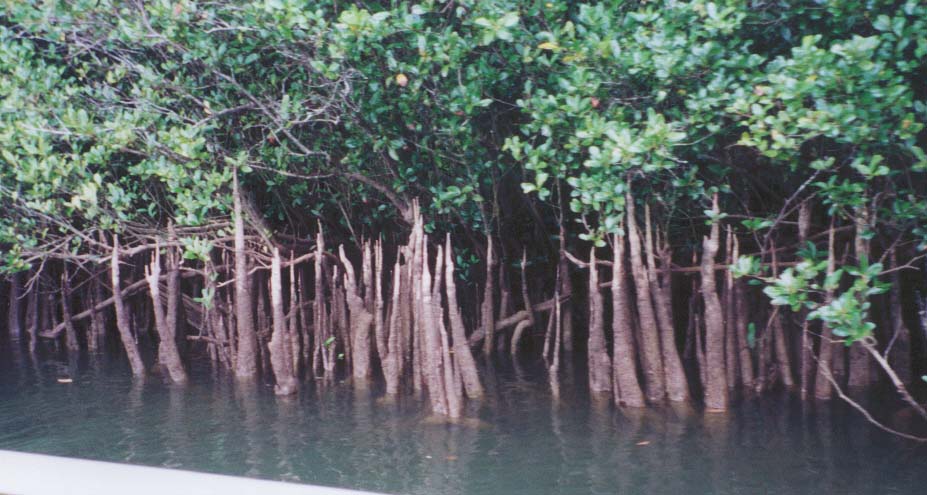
x=517, y=441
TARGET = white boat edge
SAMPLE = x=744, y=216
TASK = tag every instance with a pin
x=36, y=474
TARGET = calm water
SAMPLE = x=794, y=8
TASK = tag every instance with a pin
x=524, y=442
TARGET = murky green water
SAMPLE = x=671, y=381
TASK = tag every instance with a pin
x=523, y=443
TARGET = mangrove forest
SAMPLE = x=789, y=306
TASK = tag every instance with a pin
x=663, y=217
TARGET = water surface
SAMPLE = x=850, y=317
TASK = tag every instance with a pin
x=519, y=441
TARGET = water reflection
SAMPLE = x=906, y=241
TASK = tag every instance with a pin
x=519, y=441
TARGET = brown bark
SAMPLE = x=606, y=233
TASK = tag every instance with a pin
x=651, y=355
x=49, y=314
x=263, y=316
x=320, y=313
x=548, y=340
x=168, y=356
x=860, y=369
x=700, y=358
x=764, y=358
x=306, y=327
x=14, y=316
x=427, y=326
x=515, y=319
x=730, y=321
x=627, y=389
x=173, y=305
x=379, y=325
x=488, y=312
x=97, y=335
x=600, y=365
x=526, y=301
x=743, y=345
x=677, y=388
x=553, y=369
x=466, y=364
x=406, y=313
x=716, y=397
x=566, y=292
x=806, y=350
x=340, y=330
x=122, y=318
x=453, y=389
x=280, y=352
x=741, y=310
x=293, y=318
x=416, y=310
x=361, y=319
x=244, y=314
x=214, y=318
x=868, y=343
x=822, y=384
x=783, y=359
x=900, y=342
x=519, y=332
x=367, y=270
x=70, y=332
x=32, y=314
x=391, y=362
x=506, y=307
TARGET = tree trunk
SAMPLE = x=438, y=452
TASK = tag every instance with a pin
x=168, y=356
x=432, y=373
x=320, y=313
x=700, y=358
x=627, y=389
x=33, y=312
x=528, y=322
x=488, y=312
x=406, y=314
x=175, y=324
x=741, y=310
x=97, y=335
x=453, y=389
x=566, y=293
x=716, y=386
x=822, y=385
x=806, y=351
x=379, y=324
x=651, y=356
x=860, y=369
x=783, y=359
x=14, y=317
x=69, y=331
x=900, y=343
x=340, y=330
x=280, y=352
x=263, y=316
x=677, y=388
x=391, y=361
x=600, y=365
x=462, y=355
x=213, y=316
x=361, y=319
x=244, y=314
x=506, y=307
x=293, y=319
x=730, y=319
x=122, y=318
x=306, y=327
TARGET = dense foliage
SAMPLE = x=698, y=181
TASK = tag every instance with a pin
x=123, y=116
